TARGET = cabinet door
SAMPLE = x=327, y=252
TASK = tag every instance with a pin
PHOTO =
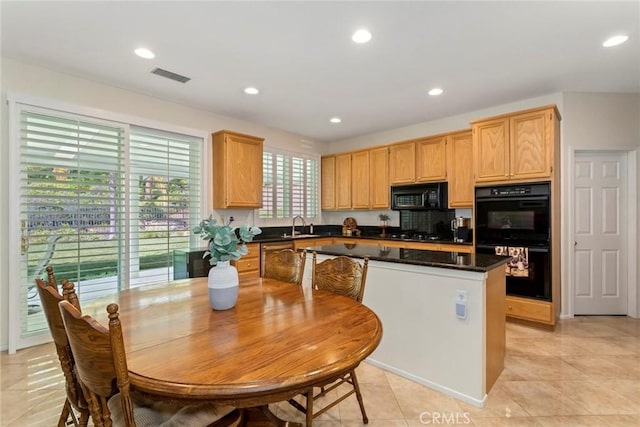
x=328, y=176
x=402, y=163
x=460, y=170
x=431, y=159
x=530, y=151
x=360, y=180
x=491, y=150
x=343, y=181
x=379, y=178
x=237, y=165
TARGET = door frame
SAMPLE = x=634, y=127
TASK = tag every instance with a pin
x=633, y=285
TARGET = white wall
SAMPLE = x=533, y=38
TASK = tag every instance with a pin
x=601, y=121
x=140, y=109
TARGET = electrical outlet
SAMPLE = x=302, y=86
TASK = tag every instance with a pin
x=230, y=219
x=461, y=304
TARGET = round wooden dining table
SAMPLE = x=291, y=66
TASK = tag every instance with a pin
x=278, y=341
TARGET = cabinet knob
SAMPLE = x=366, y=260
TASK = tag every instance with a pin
x=575, y=243
x=509, y=307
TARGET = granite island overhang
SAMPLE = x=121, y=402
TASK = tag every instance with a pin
x=428, y=338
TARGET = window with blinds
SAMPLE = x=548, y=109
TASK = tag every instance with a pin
x=290, y=186
x=104, y=203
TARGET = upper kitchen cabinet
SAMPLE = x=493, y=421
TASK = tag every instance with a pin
x=343, y=181
x=402, y=163
x=356, y=180
x=431, y=159
x=328, y=176
x=360, y=179
x=460, y=177
x=237, y=170
x=518, y=146
x=379, y=178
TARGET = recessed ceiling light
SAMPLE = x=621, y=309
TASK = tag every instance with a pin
x=251, y=91
x=435, y=91
x=144, y=53
x=335, y=120
x=361, y=36
x=615, y=40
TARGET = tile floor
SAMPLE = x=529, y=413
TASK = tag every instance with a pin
x=585, y=373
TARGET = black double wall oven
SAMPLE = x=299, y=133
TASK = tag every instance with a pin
x=514, y=221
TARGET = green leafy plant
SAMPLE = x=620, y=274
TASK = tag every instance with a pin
x=226, y=243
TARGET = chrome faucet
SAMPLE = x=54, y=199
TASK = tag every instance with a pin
x=293, y=227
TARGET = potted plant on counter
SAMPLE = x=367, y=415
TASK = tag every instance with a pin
x=226, y=243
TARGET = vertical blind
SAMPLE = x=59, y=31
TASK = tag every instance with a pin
x=105, y=204
x=290, y=186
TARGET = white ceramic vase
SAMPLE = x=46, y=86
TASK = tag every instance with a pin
x=223, y=286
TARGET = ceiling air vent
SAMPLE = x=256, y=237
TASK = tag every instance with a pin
x=170, y=75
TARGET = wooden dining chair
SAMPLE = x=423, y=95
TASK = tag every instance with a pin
x=102, y=371
x=49, y=298
x=345, y=276
x=285, y=265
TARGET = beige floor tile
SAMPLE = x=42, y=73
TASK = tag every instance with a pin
x=597, y=367
x=611, y=346
x=541, y=398
x=506, y=422
x=499, y=404
x=538, y=368
x=369, y=374
x=379, y=403
x=596, y=399
x=552, y=378
x=590, y=421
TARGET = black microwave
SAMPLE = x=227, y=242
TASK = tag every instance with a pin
x=419, y=197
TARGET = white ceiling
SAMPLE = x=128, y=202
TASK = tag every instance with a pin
x=301, y=57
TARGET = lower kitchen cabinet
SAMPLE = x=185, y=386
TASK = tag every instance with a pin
x=249, y=264
x=529, y=309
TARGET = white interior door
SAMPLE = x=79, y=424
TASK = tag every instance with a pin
x=600, y=258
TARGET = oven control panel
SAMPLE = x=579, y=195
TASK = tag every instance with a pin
x=504, y=191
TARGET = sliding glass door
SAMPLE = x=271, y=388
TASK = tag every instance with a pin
x=104, y=203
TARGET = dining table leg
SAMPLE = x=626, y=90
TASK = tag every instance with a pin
x=279, y=422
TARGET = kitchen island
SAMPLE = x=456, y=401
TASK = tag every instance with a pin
x=415, y=294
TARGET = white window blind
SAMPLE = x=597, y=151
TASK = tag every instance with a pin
x=290, y=186
x=165, y=195
x=72, y=206
x=105, y=203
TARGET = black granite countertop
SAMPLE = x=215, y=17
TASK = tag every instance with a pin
x=452, y=260
x=269, y=238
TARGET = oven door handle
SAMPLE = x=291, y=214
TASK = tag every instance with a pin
x=512, y=199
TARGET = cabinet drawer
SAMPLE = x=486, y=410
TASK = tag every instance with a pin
x=248, y=263
x=467, y=249
x=537, y=311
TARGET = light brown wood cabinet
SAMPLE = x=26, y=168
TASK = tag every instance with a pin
x=360, y=180
x=402, y=163
x=379, y=196
x=460, y=177
x=328, y=177
x=343, y=181
x=516, y=147
x=431, y=159
x=249, y=264
x=320, y=241
x=237, y=170
x=529, y=309
x=356, y=180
